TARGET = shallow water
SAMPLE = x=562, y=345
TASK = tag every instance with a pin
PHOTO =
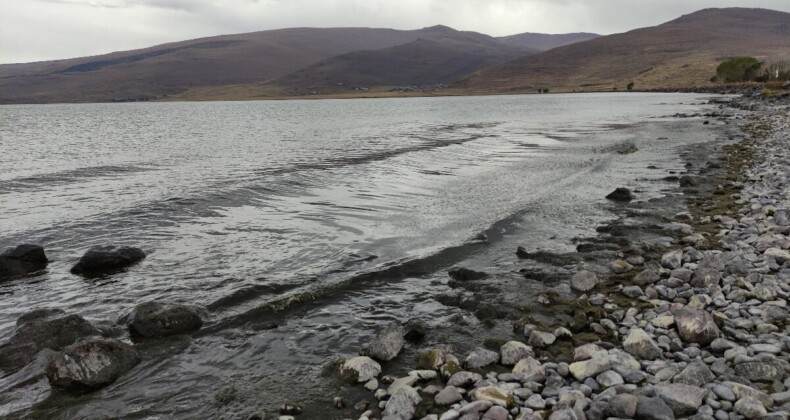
x=342, y=215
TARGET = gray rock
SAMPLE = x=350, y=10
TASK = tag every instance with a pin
x=449, y=395
x=535, y=402
x=476, y=407
x=498, y=396
x=157, y=319
x=541, y=339
x=672, y=260
x=705, y=277
x=496, y=413
x=587, y=368
x=723, y=392
x=105, y=259
x=695, y=326
x=360, y=369
x=22, y=260
x=653, y=409
x=622, y=406
x=609, y=379
x=761, y=371
x=620, y=267
x=681, y=398
x=745, y=391
x=464, y=379
x=640, y=344
x=42, y=329
x=387, y=344
x=647, y=276
x=781, y=256
x=90, y=364
x=584, y=281
x=481, y=357
x=632, y=291
x=696, y=374
x=750, y=408
x=402, y=404
x=530, y=369
x=513, y=351
x=564, y=414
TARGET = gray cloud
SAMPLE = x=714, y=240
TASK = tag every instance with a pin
x=32, y=30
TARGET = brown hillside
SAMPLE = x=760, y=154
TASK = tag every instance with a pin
x=683, y=52
x=171, y=68
x=442, y=60
x=545, y=42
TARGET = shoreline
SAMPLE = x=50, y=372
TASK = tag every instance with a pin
x=693, y=329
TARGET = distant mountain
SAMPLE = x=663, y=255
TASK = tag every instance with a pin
x=682, y=52
x=444, y=57
x=545, y=42
x=206, y=62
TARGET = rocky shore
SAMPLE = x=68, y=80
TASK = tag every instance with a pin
x=696, y=328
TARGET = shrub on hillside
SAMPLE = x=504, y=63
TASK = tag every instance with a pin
x=738, y=69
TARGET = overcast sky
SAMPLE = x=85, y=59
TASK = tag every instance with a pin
x=34, y=30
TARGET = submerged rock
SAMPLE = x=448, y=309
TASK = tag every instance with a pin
x=465, y=274
x=108, y=258
x=91, y=364
x=42, y=329
x=22, y=260
x=387, y=343
x=621, y=194
x=156, y=319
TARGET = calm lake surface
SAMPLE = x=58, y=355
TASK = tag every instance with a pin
x=302, y=226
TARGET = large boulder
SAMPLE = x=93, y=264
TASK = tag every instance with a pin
x=387, y=343
x=695, y=326
x=22, y=260
x=91, y=364
x=108, y=258
x=42, y=329
x=157, y=319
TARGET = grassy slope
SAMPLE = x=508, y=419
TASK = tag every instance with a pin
x=683, y=52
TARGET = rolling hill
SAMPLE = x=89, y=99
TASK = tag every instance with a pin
x=172, y=68
x=443, y=59
x=679, y=53
x=545, y=42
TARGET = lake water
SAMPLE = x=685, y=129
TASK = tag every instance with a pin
x=342, y=214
